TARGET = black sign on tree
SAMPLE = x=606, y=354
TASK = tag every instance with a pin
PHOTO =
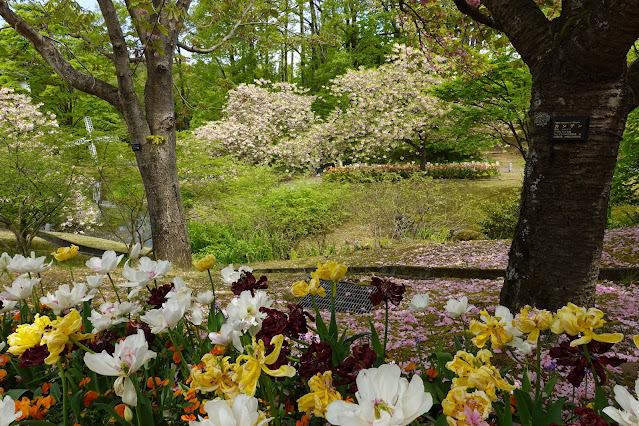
x=569, y=128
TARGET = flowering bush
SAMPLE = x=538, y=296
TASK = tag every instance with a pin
x=376, y=173
x=160, y=358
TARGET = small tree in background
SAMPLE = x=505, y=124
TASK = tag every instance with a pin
x=39, y=183
x=258, y=121
x=494, y=104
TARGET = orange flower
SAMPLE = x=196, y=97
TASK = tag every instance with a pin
x=84, y=381
x=178, y=392
x=120, y=409
x=45, y=388
x=431, y=373
x=153, y=382
x=410, y=367
x=4, y=358
x=3, y=374
x=304, y=420
x=90, y=397
x=288, y=407
x=41, y=406
x=188, y=417
x=190, y=394
x=176, y=354
x=218, y=350
x=23, y=405
x=192, y=408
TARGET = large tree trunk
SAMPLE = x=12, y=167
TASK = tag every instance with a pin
x=556, y=253
x=158, y=165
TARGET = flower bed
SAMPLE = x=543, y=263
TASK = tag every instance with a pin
x=394, y=172
x=162, y=354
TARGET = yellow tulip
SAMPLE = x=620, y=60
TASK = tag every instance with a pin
x=214, y=374
x=491, y=329
x=322, y=393
x=205, y=264
x=27, y=336
x=636, y=340
x=533, y=321
x=331, y=271
x=56, y=337
x=574, y=320
x=458, y=399
x=302, y=288
x=248, y=368
x=477, y=372
x=65, y=253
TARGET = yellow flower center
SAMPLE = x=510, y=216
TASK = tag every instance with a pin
x=380, y=405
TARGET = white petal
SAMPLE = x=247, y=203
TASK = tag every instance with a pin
x=129, y=397
x=102, y=363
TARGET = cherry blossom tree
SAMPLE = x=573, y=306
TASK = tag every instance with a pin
x=259, y=123
x=387, y=108
x=38, y=184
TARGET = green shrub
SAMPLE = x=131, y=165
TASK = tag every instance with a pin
x=227, y=244
x=501, y=218
x=268, y=225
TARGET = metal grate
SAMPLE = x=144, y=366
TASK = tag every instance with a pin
x=349, y=298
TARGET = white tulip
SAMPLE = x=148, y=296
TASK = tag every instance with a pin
x=241, y=412
x=20, y=289
x=28, y=265
x=628, y=415
x=458, y=307
x=8, y=411
x=129, y=355
x=419, y=302
x=107, y=263
x=384, y=398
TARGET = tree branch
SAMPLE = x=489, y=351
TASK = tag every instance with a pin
x=476, y=14
x=120, y=59
x=84, y=82
x=226, y=38
x=524, y=24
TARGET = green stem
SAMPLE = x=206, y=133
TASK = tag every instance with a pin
x=592, y=370
x=138, y=411
x=115, y=289
x=185, y=367
x=213, y=305
x=65, y=407
x=71, y=273
x=521, y=361
x=301, y=342
x=80, y=345
x=36, y=301
x=270, y=395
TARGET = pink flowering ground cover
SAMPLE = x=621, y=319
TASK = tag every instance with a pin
x=621, y=249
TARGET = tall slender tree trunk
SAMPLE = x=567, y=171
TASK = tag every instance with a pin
x=556, y=253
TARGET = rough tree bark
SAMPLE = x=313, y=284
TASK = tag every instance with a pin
x=156, y=161
x=578, y=65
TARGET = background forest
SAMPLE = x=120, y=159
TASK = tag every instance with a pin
x=268, y=96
